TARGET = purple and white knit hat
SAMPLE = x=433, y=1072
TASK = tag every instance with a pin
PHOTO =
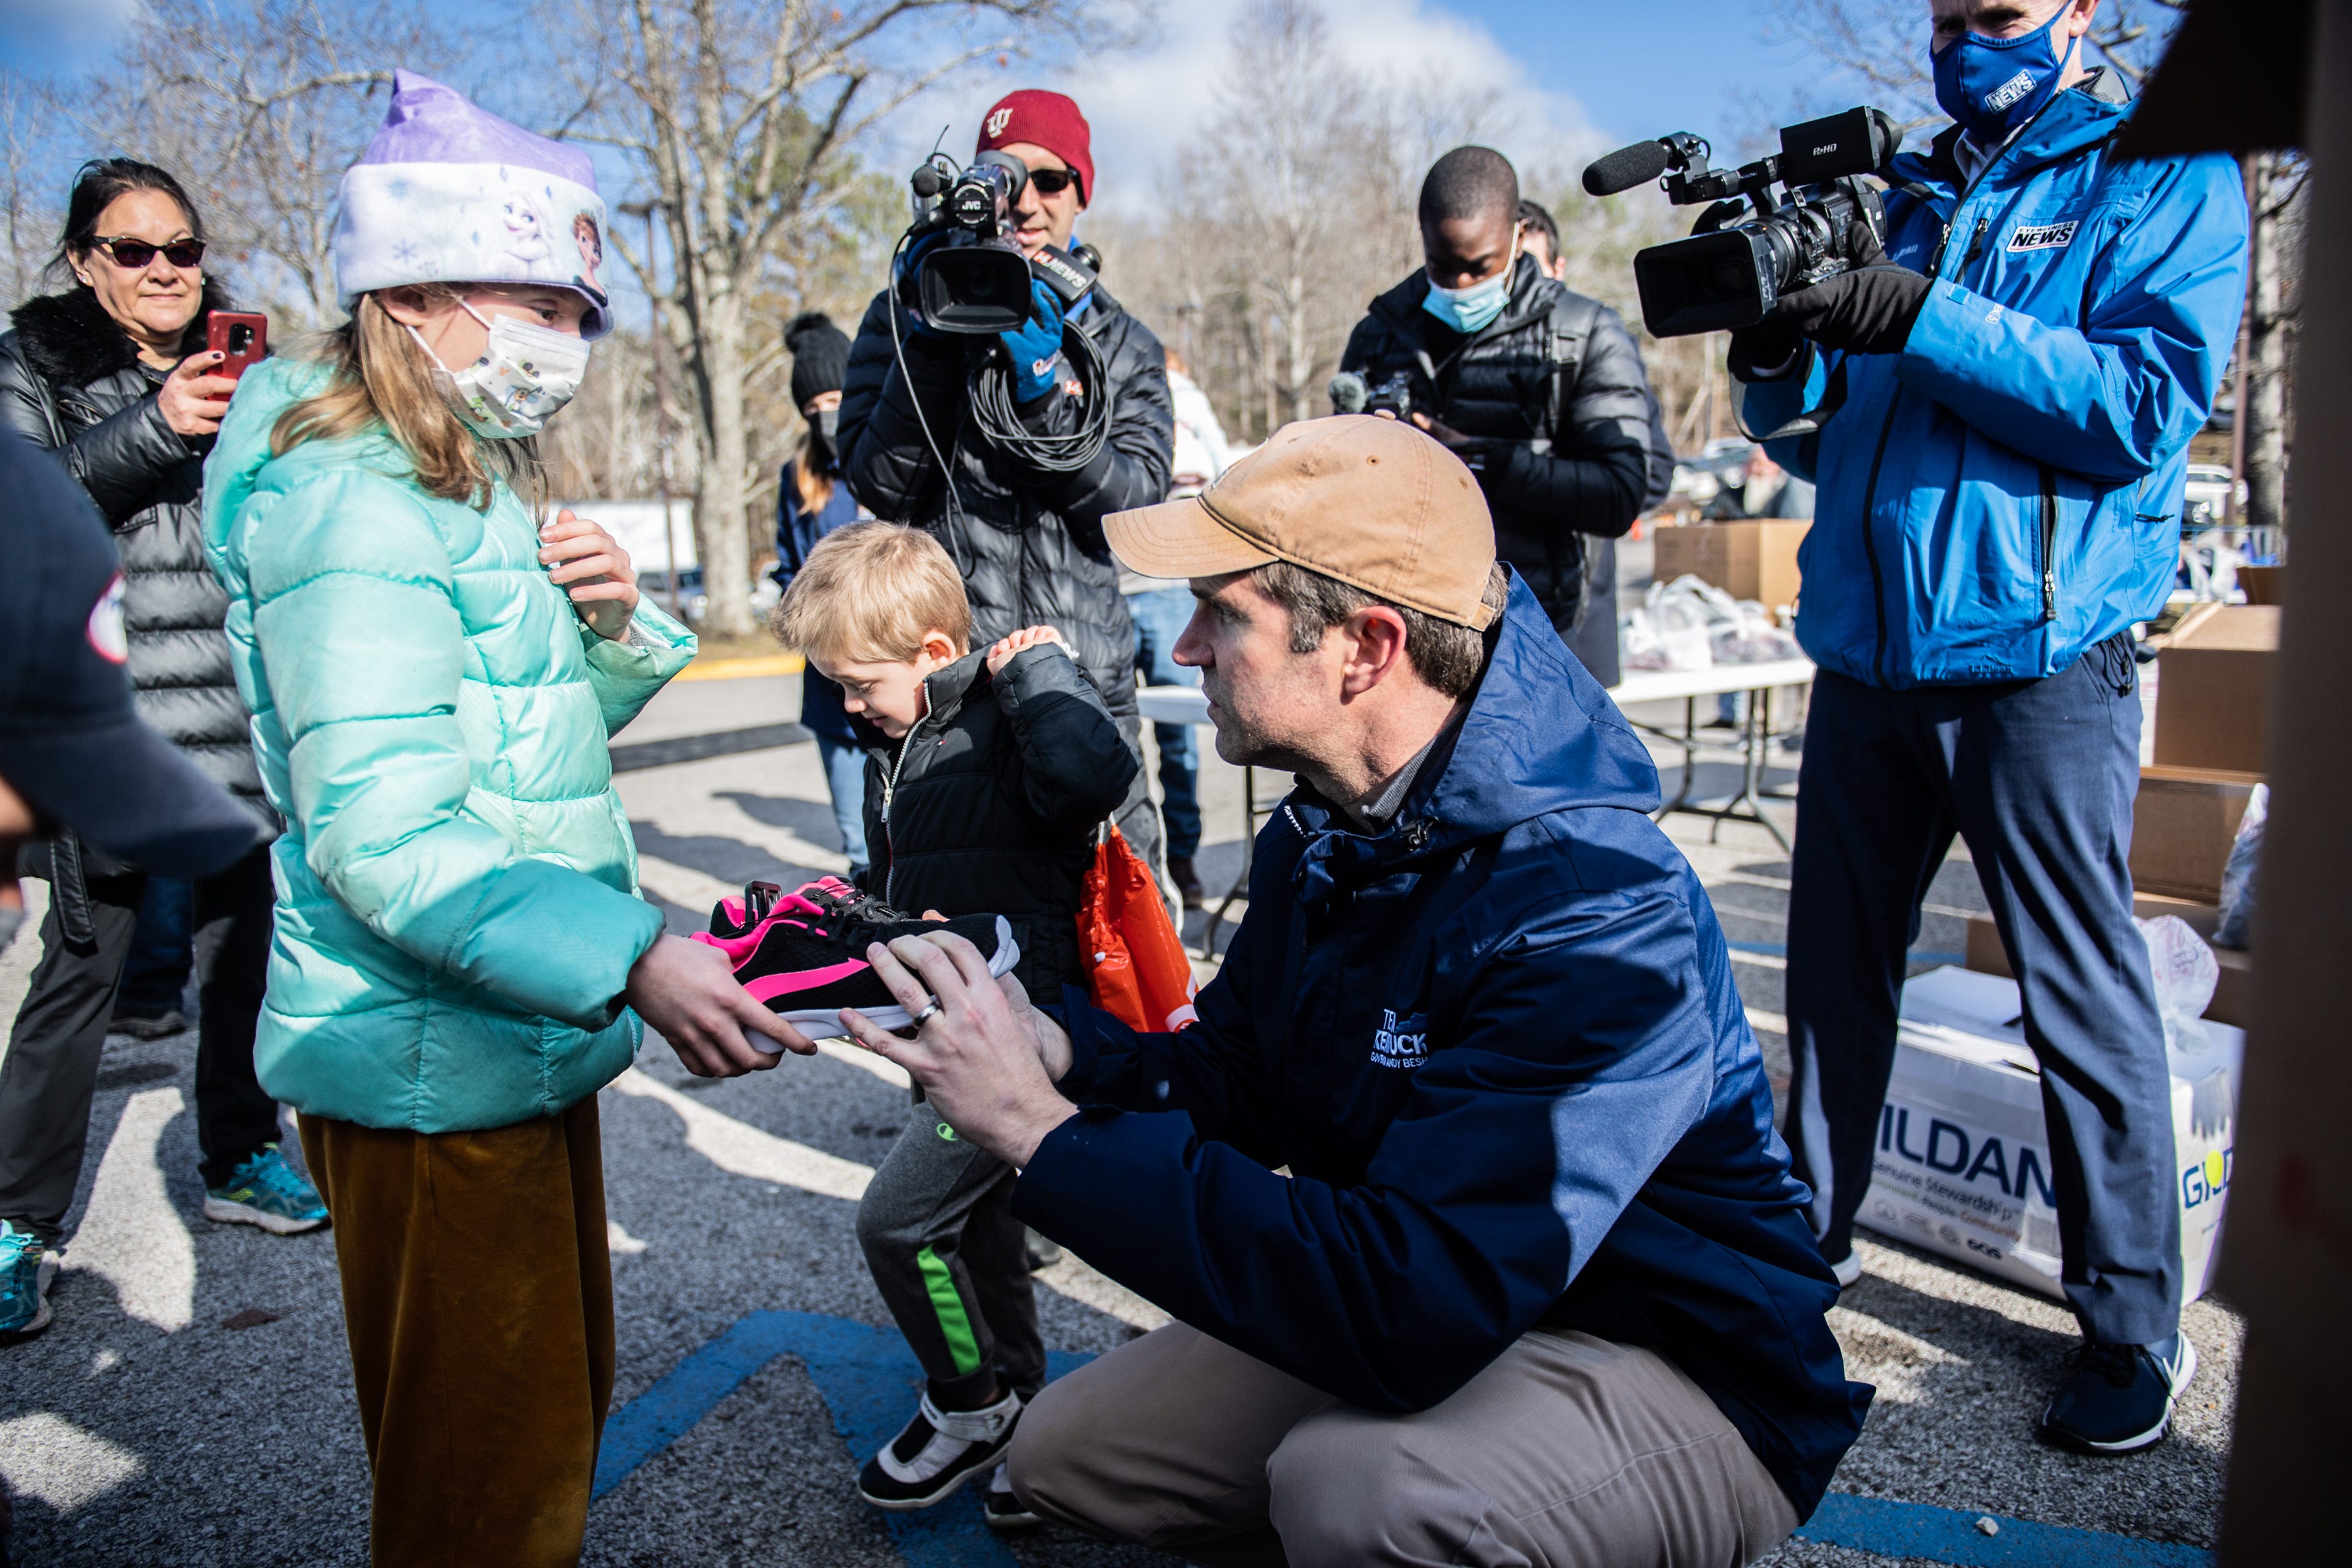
x=448, y=192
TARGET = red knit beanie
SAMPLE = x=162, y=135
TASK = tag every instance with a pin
x=1044, y=119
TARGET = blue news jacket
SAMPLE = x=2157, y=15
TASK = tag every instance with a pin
x=2006, y=491
x=1498, y=1046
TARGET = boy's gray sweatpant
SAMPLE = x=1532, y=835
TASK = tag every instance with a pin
x=952, y=1263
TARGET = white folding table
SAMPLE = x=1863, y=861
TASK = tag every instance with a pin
x=1188, y=705
x=1756, y=735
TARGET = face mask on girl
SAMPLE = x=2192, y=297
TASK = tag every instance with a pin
x=826, y=422
x=1992, y=86
x=528, y=373
x=1467, y=310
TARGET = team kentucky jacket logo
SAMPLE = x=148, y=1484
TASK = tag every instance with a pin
x=1405, y=1045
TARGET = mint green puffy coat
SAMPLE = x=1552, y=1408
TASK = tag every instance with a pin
x=457, y=889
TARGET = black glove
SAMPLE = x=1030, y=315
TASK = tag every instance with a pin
x=1766, y=351
x=1866, y=310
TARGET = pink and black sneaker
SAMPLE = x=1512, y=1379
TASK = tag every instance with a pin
x=802, y=953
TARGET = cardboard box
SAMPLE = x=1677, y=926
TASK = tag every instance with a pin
x=1746, y=560
x=1962, y=1166
x=2183, y=824
x=2263, y=584
x=1985, y=953
x=2210, y=702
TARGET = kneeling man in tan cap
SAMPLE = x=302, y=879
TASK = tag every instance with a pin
x=1463, y=1190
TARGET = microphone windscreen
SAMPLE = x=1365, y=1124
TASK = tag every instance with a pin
x=1349, y=393
x=1625, y=168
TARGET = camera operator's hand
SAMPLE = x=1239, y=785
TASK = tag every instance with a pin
x=1036, y=345
x=1866, y=310
x=902, y=276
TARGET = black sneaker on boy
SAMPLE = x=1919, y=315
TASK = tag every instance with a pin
x=937, y=1452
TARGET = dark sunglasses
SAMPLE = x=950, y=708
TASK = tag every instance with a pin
x=1053, y=182
x=135, y=254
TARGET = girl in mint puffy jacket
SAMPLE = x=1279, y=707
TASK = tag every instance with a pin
x=461, y=956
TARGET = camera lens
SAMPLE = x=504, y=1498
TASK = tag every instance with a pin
x=240, y=338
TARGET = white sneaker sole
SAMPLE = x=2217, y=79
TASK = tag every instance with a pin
x=1848, y=1270
x=2155, y=1434
x=946, y=1488
x=222, y=1211
x=1008, y=954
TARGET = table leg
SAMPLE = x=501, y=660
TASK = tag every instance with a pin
x=1690, y=759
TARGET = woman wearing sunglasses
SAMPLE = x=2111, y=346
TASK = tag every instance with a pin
x=111, y=375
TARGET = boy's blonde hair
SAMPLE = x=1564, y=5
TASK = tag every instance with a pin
x=869, y=593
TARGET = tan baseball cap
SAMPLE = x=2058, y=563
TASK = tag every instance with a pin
x=1370, y=501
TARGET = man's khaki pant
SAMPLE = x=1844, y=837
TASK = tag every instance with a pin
x=1569, y=1450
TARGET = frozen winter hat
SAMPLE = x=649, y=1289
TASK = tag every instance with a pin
x=448, y=192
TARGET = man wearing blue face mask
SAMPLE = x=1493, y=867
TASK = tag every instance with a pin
x=2000, y=497
x=1539, y=389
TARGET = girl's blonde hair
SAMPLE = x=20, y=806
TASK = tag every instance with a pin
x=870, y=593
x=810, y=477
x=383, y=380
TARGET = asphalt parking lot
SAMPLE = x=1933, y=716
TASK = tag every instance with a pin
x=192, y=1405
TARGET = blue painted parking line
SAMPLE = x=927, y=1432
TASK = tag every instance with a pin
x=1892, y=1529
x=869, y=1381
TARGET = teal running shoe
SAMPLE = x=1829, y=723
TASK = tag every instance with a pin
x=268, y=1191
x=26, y=1269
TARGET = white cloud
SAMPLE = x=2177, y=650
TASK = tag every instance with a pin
x=1146, y=106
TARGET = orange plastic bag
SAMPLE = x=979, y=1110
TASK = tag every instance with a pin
x=1136, y=971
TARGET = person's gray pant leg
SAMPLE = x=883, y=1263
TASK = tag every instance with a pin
x=937, y=1229
x=51, y=1071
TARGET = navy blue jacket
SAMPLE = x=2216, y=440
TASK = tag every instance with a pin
x=1498, y=1046
x=797, y=531
x=2006, y=491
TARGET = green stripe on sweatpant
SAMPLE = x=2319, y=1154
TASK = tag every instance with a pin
x=955, y=1324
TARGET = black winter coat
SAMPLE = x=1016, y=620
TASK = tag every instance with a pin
x=990, y=805
x=71, y=381
x=1030, y=545
x=1548, y=479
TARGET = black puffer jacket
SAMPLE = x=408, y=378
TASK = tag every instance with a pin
x=1548, y=475
x=990, y=805
x=1030, y=545
x=71, y=381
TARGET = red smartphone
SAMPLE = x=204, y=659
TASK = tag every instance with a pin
x=244, y=337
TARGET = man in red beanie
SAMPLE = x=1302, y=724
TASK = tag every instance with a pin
x=1028, y=540
x=1046, y=132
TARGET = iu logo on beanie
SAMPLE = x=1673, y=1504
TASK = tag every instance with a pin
x=1047, y=120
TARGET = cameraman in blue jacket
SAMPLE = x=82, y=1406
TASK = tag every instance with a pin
x=1463, y=1189
x=2000, y=500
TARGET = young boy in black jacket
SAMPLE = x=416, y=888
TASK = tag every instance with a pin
x=986, y=778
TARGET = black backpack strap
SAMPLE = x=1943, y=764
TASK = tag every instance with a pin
x=1573, y=320
x=1573, y=317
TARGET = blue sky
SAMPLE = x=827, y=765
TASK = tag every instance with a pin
x=1640, y=70
x=1623, y=70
